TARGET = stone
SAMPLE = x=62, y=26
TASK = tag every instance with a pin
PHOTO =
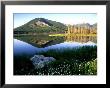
x=39, y=61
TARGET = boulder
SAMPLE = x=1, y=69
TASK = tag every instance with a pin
x=39, y=61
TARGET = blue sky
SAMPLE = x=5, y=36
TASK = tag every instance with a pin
x=66, y=18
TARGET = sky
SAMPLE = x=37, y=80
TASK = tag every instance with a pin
x=66, y=18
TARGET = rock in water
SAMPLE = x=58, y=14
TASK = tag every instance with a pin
x=39, y=61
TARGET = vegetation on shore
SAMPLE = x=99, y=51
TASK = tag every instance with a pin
x=81, y=61
x=42, y=25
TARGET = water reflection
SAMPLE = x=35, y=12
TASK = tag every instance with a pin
x=21, y=47
x=42, y=41
x=82, y=39
x=24, y=48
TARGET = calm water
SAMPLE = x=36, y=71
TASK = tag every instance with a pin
x=34, y=44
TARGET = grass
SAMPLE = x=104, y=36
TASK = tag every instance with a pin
x=57, y=35
x=84, y=53
x=22, y=65
x=69, y=61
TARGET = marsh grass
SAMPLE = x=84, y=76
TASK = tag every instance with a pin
x=84, y=53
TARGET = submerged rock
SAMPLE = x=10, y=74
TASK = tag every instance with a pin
x=39, y=61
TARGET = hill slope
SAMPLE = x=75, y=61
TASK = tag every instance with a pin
x=41, y=25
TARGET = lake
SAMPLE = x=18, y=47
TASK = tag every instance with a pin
x=31, y=45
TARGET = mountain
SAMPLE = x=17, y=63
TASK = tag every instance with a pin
x=94, y=25
x=87, y=25
x=41, y=25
